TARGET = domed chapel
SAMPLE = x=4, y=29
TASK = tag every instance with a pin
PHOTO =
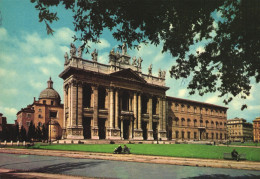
x=48, y=110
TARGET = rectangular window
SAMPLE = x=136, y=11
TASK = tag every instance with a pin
x=44, y=101
x=51, y=102
x=53, y=114
x=188, y=135
x=195, y=135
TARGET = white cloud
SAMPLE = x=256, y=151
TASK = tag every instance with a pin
x=11, y=91
x=212, y=100
x=45, y=71
x=64, y=35
x=7, y=73
x=49, y=59
x=10, y=111
x=3, y=33
x=103, y=44
x=158, y=57
x=182, y=92
x=252, y=108
x=36, y=85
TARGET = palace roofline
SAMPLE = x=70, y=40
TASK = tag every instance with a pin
x=196, y=102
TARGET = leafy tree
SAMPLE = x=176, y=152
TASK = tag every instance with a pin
x=31, y=132
x=231, y=60
x=22, y=134
x=44, y=132
x=39, y=133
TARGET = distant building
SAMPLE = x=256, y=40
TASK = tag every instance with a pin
x=119, y=101
x=2, y=124
x=47, y=110
x=239, y=130
x=256, y=126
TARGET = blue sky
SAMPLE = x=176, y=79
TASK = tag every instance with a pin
x=28, y=57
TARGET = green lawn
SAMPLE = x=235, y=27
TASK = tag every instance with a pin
x=174, y=150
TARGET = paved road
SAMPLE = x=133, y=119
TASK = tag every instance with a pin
x=115, y=169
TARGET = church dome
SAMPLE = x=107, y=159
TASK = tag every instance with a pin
x=49, y=92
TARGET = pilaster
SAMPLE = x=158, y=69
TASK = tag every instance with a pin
x=138, y=133
x=150, y=124
x=94, y=131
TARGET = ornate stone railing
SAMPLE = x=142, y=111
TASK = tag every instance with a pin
x=107, y=69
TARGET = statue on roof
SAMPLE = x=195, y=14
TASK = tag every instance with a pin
x=160, y=73
x=124, y=49
x=163, y=74
x=80, y=50
x=72, y=50
x=139, y=62
x=134, y=61
x=150, y=69
x=66, y=57
x=94, y=55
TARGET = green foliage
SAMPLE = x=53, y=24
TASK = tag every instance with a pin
x=31, y=132
x=172, y=150
x=231, y=60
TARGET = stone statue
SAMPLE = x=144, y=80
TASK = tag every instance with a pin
x=80, y=50
x=124, y=49
x=66, y=57
x=72, y=50
x=150, y=69
x=134, y=61
x=112, y=55
x=94, y=55
x=163, y=74
x=118, y=56
x=160, y=73
x=139, y=63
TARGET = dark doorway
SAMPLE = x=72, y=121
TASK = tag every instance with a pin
x=155, y=131
x=86, y=127
x=101, y=128
x=126, y=124
x=144, y=128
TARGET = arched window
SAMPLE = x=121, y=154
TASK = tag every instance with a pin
x=201, y=123
x=188, y=122
x=176, y=106
x=207, y=122
x=177, y=121
x=212, y=124
x=39, y=116
x=182, y=108
x=177, y=134
x=195, y=110
x=195, y=122
x=182, y=134
x=182, y=121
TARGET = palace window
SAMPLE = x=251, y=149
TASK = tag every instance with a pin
x=207, y=135
x=53, y=114
x=195, y=110
x=195, y=135
x=176, y=106
x=188, y=135
x=182, y=121
x=28, y=115
x=182, y=108
x=182, y=134
x=52, y=102
x=212, y=135
x=44, y=101
x=221, y=136
x=39, y=110
x=177, y=121
x=188, y=122
x=195, y=122
x=39, y=116
x=216, y=135
x=177, y=134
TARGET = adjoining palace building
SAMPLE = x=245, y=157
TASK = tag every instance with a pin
x=119, y=101
x=239, y=130
x=256, y=129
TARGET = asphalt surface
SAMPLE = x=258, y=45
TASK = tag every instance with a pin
x=113, y=169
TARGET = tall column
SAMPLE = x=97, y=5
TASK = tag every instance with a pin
x=135, y=111
x=75, y=131
x=116, y=109
x=138, y=132
x=162, y=132
x=64, y=112
x=80, y=104
x=150, y=124
x=160, y=114
x=111, y=107
x=94, y=134
x=139, y=112
x=122, y=129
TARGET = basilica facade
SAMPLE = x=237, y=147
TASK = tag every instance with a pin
x=119, y=101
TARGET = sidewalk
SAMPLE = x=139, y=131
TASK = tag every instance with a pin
x=247, y=165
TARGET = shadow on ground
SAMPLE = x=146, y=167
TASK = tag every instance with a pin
x=222, y=176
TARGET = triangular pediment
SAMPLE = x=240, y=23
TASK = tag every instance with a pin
x=128, y=74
